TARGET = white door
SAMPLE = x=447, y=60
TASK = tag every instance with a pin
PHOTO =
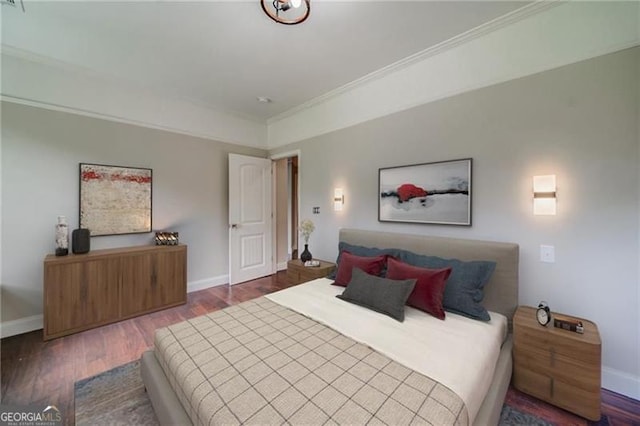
x=250, y=235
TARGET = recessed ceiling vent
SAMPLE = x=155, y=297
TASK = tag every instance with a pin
x=12, y=3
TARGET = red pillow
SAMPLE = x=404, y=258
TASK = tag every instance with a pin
x=429, y=289
x=370, y=265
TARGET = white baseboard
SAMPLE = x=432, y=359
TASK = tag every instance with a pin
x=281, y=266
x=20, y=326
x=207, y=283
x=621, y=382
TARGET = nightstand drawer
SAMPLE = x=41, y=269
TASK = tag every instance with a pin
x=583, y=402
x=575, y=399
x=542, y=339
x=572, y=371
x=293, y=277
x=531, y=382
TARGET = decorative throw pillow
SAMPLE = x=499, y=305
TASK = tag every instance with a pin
x=348, y=261
x=362, y=251
x=463, y=293
x=378, y=294
x=428, y=292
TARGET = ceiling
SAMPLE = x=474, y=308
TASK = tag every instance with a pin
x=223, y=55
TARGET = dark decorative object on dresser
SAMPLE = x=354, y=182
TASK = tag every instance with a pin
x=81, y=242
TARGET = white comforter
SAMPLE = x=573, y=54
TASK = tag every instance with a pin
x=459, y=352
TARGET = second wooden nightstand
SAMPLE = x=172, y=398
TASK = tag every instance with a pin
x=558, y=366
x=298, y=273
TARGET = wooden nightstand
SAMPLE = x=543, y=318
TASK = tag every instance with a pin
x=298, y=273
x=558, y=366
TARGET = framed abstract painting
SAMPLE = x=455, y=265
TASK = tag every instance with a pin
x=115, y=200
x=436, y=193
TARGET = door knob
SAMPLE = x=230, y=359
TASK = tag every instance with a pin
x=234, y=226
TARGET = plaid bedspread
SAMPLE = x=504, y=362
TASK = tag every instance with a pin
x=261, y=363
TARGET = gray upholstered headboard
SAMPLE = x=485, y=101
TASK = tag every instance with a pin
x=500, y=293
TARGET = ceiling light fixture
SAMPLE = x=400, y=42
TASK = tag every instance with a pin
x=288, y=12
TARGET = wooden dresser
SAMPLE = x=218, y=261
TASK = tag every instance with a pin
x=558, y=366
x=104, y=286
x=298, y=273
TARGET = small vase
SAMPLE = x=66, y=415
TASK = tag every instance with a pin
x=62, y=237
x=306, y=256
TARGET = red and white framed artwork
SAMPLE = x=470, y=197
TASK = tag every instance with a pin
x=115, y=200
x=435, y=193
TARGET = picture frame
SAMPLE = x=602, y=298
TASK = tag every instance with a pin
x=115, y=200
x=430, y=193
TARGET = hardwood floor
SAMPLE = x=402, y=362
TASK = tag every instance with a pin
x=33, y=371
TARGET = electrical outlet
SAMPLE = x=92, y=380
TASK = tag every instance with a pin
x=316, y=210
x=547, y=254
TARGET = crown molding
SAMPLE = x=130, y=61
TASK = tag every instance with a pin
x=559, y=33
x=474, y=33
x=18, y=53
x=117, y=119
x=72, y=89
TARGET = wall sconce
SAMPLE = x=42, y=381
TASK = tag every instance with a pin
x=338, y=199
x=544, y=195
x=166, y=238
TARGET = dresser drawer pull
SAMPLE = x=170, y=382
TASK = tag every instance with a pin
x=551, y=383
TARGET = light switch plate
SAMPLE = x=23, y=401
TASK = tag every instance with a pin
x=547, y=254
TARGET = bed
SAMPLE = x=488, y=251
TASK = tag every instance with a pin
x=212, y=369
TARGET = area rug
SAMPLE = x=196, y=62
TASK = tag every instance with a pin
x=117, y=397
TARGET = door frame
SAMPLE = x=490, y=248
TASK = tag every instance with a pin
x=278, y=156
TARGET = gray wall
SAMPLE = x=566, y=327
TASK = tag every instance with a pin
x=579, y=122
x=41, y=150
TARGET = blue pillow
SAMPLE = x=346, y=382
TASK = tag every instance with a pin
x=365, y=252
x=463, y=293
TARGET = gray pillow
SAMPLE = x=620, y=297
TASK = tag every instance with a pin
x=464, y=291
x=378, y=294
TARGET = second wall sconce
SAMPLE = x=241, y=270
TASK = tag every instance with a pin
x=544, y=195
x=338, y=199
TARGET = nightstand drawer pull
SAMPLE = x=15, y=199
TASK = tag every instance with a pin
x=552, y=386
x=553, y=357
